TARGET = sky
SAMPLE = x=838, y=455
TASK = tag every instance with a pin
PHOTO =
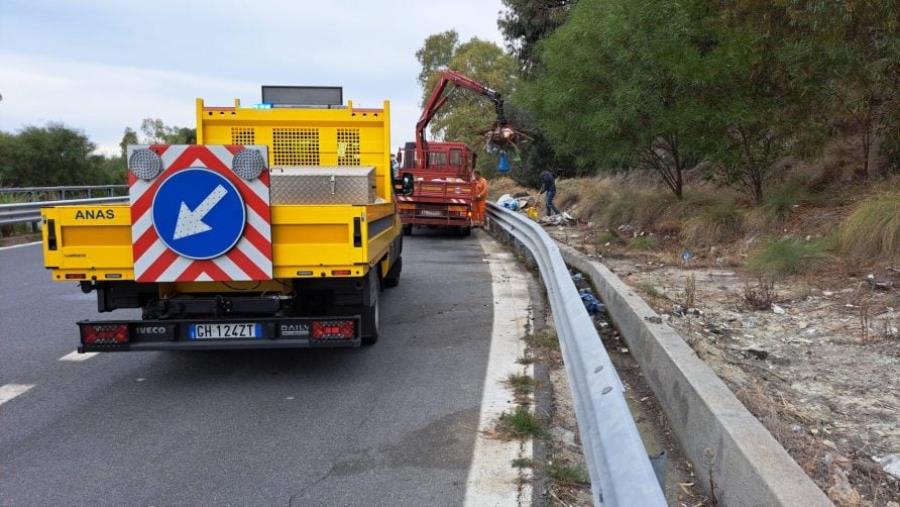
x=102, y=65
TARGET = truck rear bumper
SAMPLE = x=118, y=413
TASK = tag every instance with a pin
x=441, y=222
x=182, y=334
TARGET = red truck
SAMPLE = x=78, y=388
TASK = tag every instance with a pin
x=442, y=172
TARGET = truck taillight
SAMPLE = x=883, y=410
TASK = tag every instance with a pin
x=97, y=334
x=333, y=330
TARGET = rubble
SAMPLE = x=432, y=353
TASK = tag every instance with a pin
x=821, y=378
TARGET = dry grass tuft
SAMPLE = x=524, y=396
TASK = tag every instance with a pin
x=717, y=223
x=872, y=232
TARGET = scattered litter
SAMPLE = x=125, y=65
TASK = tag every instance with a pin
x=654, y=319
x=508, y=202
x=778, y=310
x=687, y=255
x=577, y=277
x=882, y=285
x=591, y=304
x=890, y=464
x=562, y=219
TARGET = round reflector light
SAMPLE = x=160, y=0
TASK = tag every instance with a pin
x=145, y=164
x=248, y=164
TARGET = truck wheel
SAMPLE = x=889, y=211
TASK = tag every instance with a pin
x=392, y=279
x=407, y=230
x=465, y=231
x=371, y=321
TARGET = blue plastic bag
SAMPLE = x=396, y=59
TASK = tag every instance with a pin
x=503, y=164
x=591, y=304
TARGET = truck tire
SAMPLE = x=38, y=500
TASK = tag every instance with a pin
x=407, y=230
x=371, y=321
x=465, y=231
x=392, y=279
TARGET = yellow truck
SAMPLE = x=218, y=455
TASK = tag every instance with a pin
x=278, y=229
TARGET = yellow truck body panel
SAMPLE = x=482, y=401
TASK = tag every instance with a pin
x=308, y=241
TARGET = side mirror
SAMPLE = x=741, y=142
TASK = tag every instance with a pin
x=404, y=184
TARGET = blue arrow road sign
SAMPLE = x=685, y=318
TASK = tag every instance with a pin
x=198, y=213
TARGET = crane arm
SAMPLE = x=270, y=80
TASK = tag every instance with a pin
x=437, y=100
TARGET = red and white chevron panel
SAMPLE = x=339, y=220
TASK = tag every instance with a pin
x=251, y=257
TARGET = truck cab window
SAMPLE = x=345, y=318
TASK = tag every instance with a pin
x=437, y=159
x=456, y=158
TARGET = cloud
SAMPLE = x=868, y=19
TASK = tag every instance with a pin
x=103, y=65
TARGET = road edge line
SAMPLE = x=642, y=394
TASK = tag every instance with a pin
x=492, y=479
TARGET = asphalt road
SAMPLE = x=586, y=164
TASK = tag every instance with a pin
x=392, y=424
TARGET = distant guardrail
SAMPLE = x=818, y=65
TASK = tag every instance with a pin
x=30, y=212
x=89, y=190
x=620, y=471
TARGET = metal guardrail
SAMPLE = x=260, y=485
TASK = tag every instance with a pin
x=620, y=471
x=90, y=190
x=29, y=212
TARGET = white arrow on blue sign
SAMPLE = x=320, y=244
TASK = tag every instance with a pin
x=199, y=214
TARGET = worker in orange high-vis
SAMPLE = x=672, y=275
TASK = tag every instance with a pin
x=480, y=203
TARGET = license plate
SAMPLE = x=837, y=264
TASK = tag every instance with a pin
x=229, y=331
x=431, y=213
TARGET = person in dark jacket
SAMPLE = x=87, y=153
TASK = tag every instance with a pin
x=548, y=184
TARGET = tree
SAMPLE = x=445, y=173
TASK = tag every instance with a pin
x=54, y=155
x=157, y=132
x=525, y=22
x=618, y=85
x=128, y=137
x=435, y=55
x=465, y=115
x=861, y=41
x=765, y=92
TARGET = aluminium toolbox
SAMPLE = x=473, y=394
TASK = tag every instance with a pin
x=322, y=185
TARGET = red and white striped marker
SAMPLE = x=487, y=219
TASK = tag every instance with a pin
x=251, y=257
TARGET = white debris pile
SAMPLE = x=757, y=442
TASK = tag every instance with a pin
x=517, y=202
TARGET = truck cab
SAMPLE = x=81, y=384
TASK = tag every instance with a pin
x=443, y=186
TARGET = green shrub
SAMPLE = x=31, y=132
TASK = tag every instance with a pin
x=568, y=475
x=780, y=201
x=788, y=256
x=643, y=243
x=520, y=424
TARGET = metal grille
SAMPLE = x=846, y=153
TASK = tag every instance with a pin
x=348, y=146
x=295, y=146
x=243, y=135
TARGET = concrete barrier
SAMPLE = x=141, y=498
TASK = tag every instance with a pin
x=732, y=452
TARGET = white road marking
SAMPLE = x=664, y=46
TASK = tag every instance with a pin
x=492, y=480
x=75, y=357
x=10, y=391
x=19, y=245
